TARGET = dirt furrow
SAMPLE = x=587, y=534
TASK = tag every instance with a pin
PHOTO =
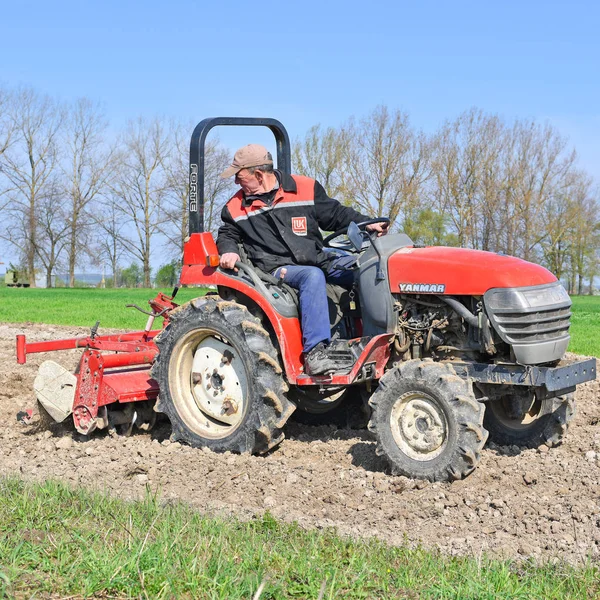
x=542, y=503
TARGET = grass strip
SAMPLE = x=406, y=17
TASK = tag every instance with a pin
x=66, y=542
x=85, y=306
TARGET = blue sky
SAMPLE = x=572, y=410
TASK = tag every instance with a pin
x=314, y=62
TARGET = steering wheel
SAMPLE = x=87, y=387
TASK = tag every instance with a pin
x=347, y=246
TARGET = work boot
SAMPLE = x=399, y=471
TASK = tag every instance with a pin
x=324, y=359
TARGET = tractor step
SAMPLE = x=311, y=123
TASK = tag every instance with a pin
x=370, y=355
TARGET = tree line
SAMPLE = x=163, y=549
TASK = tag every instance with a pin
x=72, y=193
x=479, y=182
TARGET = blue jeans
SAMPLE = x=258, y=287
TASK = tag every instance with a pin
x=310, y=283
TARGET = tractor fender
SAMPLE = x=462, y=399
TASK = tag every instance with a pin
x=287, y=329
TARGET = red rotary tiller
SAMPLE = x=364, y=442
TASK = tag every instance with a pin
x=113, y=370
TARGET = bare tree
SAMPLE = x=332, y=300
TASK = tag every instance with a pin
x=594, y=263
x=7, y=124
x=468, y=176
x=53, y=229
x=584, y=230
x=7, y=127
x=216, y=190
x=320, y=155
x=492, y=148
x=538, y=167
x=141, y=186
x=87, y=167
x=29, y=165
x=558, y=220
x=109, y=228
x=506, y=188
x=386, y=163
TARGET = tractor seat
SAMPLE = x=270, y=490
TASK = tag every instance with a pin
x=338, y=297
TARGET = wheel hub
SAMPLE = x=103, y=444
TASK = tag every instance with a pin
x=217, y=386
x=216, y=380
x=419, y=426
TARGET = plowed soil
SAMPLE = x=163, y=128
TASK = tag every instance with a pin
x=519, y=503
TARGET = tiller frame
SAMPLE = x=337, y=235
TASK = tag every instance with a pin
x=104, y=378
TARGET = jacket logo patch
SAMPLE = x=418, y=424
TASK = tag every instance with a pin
x=299, y=226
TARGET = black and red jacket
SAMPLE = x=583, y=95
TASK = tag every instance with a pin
x=287, y=230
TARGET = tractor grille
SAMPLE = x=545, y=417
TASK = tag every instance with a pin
x=533, y=320
x=542, y=325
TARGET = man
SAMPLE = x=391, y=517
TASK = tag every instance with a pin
x=277, y=218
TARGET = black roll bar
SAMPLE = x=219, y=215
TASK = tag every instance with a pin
x=197, y=143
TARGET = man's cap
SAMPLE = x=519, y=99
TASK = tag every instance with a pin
x=252, y=155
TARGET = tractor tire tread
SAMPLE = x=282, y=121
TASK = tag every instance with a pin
x=550, y=428
x=462, y=410
x=268, y=409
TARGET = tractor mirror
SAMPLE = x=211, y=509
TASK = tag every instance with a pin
x=355, y=236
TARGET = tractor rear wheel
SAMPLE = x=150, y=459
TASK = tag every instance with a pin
x=220, y=382
x=346, y=408
x=427, y=422
x=311, y=401
x=532, y=424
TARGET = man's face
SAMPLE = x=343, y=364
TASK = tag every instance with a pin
x=248, y=182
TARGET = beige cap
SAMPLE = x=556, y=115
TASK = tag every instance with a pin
x=252, y=155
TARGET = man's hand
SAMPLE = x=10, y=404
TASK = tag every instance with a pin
x=380, y=228
x=228, y=260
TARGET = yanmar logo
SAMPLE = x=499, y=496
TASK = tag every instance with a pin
x=299, y=226
x=422, y=288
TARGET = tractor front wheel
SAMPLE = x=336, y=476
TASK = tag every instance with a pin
x=427, y=422
x=220, y=382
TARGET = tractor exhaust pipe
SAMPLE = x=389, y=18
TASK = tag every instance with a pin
x=461, y=309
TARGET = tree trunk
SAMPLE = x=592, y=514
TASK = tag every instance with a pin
x=31, y=241
x=72, y=254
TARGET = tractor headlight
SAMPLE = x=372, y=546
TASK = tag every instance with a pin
x=525, y=299
x=505, y=299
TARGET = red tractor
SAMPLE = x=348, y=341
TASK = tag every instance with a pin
x=449, y=345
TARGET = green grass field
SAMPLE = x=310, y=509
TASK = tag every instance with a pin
x=85, y=306
x=59, y=542
x=585, y=325
x=82, y=306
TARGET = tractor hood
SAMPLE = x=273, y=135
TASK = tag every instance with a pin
x=460, y=271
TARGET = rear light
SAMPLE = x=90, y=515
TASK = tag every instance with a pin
x=212, y=260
